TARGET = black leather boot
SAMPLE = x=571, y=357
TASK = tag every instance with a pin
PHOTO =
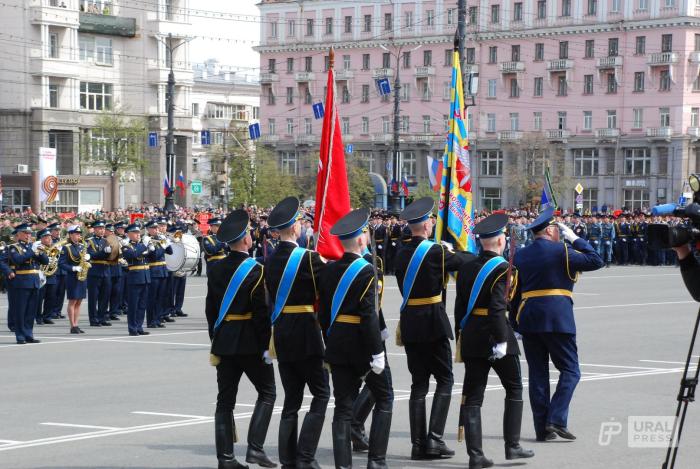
x=416, y=418
x=360, y=411
x=512, y=420
x=472, y=434
x=379, y=439
x=341, y=445
x=288, y=442
x=435, y=447
x=257, y=432
x=308, y=440
x=223, y=436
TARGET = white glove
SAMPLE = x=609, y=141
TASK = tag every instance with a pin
x=378, y=363
x=35, y=245
x=151, y=248
x=77, y=268
x=124, y=242
x=567, y=232
x=87, y=256
x=266, y=357
x=499, y=350
x=449, y=246
x=168, y=243
x=385, y=333
x=146, y=239
x=108, y=249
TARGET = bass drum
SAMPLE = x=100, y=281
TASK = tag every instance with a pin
x=185, y=254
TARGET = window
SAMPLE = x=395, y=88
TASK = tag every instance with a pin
x=365, y=61
x=95, y=96
x=515, y=53
x=365, y=94
x=666, y=42
x=695, y=116
x=491, y=162
x=367, y=24
x=640, y=45
x=326, y=62
x=561, y=120
x=308, y=126
x=426, y=92
x=592, y=7
x=388, y=22
x=272, y=65
x=539, y=52
x=365, y=125
x=537, y=117
x=308, y=64
x=514, y=121
x=53, y=45
x=345, y=95
x=409, y=163
x=517, y=11
x=386, y=125
x=492, y=88
x=490, y=198
x=471, y=56
x=449, y=53
x=426, y=124
x=307, y=95
x=227, y=112
x=366, y=159
x=541, y=9
x=98, y=49
x=697, y=43
x=637, y=161
x=290, y=95
x=289, y=163
x=270, y=96
x=53, y=96
x=290, y=65
x=514, y=90
x=539, y=86
x=273, y=29
x=495, y=14
x=386, y=60
x=408, y=20
x=405, y=123
x=566, y=8
x=346, y=62
x=427, y=58
x=473, y=15
x=590, y=199
x=696, y=83
x=446, y=90
x=643, y=4
x=272, y=127
x=612, y=119
x=636, y=199
x=430, y=18
x=309, y=27
x=637, y=118
x=195, y=109
x=329, y=26
x=664, y=80
x=490, y=122
x=588, y=84
x=406, y=59
x=493, y=54
x=561, y=85
x=290, y=126
x=405, y=91
x=585, y=162
x=451, y=16
x=613, y=46
x=345, y=123
x=612, y=83
x=615, y=6
x=291, y=28
x=564, y=49
x=664, y=117
x=589, y=51
x=587, y=120
x=348, y=25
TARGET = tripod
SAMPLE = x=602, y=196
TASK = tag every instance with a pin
x=686, y=395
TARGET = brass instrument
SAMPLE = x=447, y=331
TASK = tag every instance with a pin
x=53, y=253
x=82, y=275
x=2, y=246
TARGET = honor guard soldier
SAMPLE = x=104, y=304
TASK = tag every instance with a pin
x=292, y=275
x=58, y=292
x=544, y=314
x=73, y=260
x=214, y=250
x=354, y=346
x=394, y=243
x=487, y=342
x=99, y=281
x=115, y=275
x=380, y=239
x=157, y=249
x=239, y=328
x=421, y=273
x=47, y=291
x=24, y=260
x=138, y=279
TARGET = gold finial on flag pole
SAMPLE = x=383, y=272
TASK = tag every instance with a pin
x=331, y=57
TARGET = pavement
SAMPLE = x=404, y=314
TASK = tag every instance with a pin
x=105, y=400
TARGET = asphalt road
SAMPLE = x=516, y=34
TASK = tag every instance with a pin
x=106, y=400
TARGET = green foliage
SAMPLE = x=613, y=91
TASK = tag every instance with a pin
x=424, y=189
x=271, y=185
x=360, y=185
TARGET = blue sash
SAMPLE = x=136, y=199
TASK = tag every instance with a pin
x=233, y=286
x=288, y=276
x=413, y=268
x=481, y=277
x=341, y=290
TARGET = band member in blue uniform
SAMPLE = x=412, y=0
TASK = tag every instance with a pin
x=355, y=349
x=99, y=281
x=138, y=279
x=167, y=305
x=46, y=292
x=70, y=263
x=544, y=313
x=8, y=275
x=214, y=250
x=115, y=276
x=239, y=328
x=179, y=281
x=157, y=249
x=120, y=231
x=24, y=260
x=421, y=272
x=59, y=292
x=292, y=276
x=487, y=342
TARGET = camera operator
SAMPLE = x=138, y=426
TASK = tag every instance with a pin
x=690, y=270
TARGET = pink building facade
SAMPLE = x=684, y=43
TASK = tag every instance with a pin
x=609, y=86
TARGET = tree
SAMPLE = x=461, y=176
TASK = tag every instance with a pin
x=360, y=185
x=116, y=143
x=271, y=185
x=424, y=189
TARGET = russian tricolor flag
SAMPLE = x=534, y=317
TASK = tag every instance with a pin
x=434, y=172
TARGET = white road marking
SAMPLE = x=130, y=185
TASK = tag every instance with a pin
x=585, y=277
x=9, y=442
x=661, y=361
x=141, y=412
x=156, y=342
x=194, y=297
x=105, y=339
x=629, y=305
x=77, y=425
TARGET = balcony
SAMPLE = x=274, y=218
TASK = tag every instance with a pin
x=659, y=133
x=607, y=134
x=471, y=69
x=425, y=139
x=43, y=66
x=557, y=135
x=306, y=139
x=304, y=77
x=269, y=139
x=510, y=135
x=425, y=72
x=694, y=57
x=344, y=75
x=267, y=78
x=662, y=58
x=49, y=12
x=511, y=67
x=382, y=138
x=694, y=132
x=94, y=23
x=608, y=62
x=382, y=73
x=560, y=65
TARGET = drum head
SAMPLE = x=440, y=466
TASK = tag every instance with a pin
x=175, y=261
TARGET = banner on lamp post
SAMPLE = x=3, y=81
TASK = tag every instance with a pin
x=47, y=175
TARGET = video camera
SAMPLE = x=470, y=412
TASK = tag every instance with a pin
x=663, y=236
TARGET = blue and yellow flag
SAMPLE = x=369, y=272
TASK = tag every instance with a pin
x=455, y=221
x=548, y=199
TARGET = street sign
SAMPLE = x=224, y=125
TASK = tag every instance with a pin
x=579, y=199
x=152, y=139
x=579, y=188
x=348, y=148
x=206, y=137
x=254, y=131
x=383, y=86
x=196, y=187
x=318, y=110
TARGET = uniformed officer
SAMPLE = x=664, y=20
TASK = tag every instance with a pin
x=355, y=350
x=46, y=292
x=7, y=274
x=214, y=250
x=543, y=310
x=57, y=293
x=70, y=262
x=24, y=260
x=421, y=273
x=115, y=276
x=607, y=237
x=138, y=279
x=179, y=282
x=580, y=228
x=381, y=237
x=120, y=231
x=239, y=328
x=487, y=342
x=157, y=249
x=393, y=243
x=292, y=276
x=623, y=235
x=595, y=234
x=99, y=281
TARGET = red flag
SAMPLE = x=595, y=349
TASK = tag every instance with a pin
x=332, y=194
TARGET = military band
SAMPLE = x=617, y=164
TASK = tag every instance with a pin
x=99, y=279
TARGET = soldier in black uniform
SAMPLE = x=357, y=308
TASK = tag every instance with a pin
x=488, y=342
x=381, y=237
x=240, y=333
x=355, y=350
x=297, y=336
x=393, y=243
x=426, y=331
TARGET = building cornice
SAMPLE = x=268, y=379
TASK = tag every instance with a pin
x=361, y=44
